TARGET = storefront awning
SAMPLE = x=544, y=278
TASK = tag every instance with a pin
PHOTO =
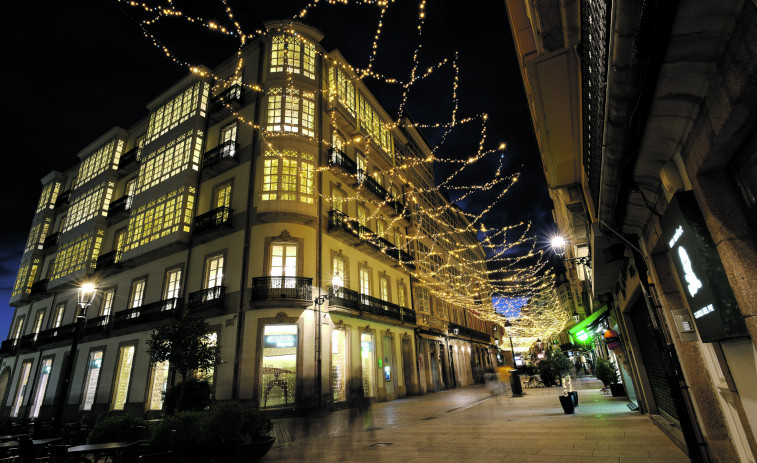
x=583, y=330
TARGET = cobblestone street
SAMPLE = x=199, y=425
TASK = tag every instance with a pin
x=469, y=424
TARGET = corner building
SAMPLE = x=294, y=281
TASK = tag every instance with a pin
x=266, y=197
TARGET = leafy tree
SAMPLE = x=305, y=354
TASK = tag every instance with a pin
x=607, y=372
x=183, y=343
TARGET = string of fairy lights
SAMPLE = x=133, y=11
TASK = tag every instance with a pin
x=468, y=262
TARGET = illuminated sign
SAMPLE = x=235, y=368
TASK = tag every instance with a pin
x=700, y=271
x=280, y=340
x=387, y=373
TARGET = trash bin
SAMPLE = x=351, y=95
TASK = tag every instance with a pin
x=515, y=383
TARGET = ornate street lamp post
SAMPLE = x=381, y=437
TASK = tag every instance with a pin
x=85, y=296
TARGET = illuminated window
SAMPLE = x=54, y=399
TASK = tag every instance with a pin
x=158, y=384
x=345, y=89
x=57, y=319
x=77, y=254
x=368, y=364
x=422, y=300
x=119, y=242
x=49, y=196
x=380, y=228
x=18, y=328
x=174, y=157
x=94, y=365
x=283, y=264
x=123, y=377
x=190, y=102
x=378, y=177
x=37, y=327
x=140, y=144
x=222, y=195
x=401, y=295
x=26, y=275
x=291, y=111
x=214, y=271
x=38, y=234
x=339, y=365
x=173, y=283
x=39, y=395
x=107, y=306
x=365, y=281
x=278, y=375
x=90, y=204
x=163, y=216
x=289, y=175
x=337, y=201
x=362, y=216
x=130, y=190
x=294, y=54
x=362, y=165
x=384, y=288
x=229, y=132
x=137, y=293
x=338, y=276
x=106, y=157
x=23, y=383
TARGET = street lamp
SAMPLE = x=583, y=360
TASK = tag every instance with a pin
x=85, y=294
x=509, y=331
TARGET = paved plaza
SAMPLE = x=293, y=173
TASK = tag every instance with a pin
x=469, y=424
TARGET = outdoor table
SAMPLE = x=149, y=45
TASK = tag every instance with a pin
x=7, y=446
x=8, y=437
x=114, y=449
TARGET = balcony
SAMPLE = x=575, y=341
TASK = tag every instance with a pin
x=63, y=333
x=109, y=263
x=28, y=342
x=39, y=290
x=207, y=299
x=119, y=209
x=398, y=209
x=156, y=311
x=339, y=159
x=231, y=97
x=215, y=219
x=343, y=297
x=51, y=242
x=220, y=158
x=372, y=185
x=97, y=325
x=283, y=290
x=341, y=224
x=129, y=162
x=376, y=306
x=62, y=200
x=469, y=332
x=8, y=348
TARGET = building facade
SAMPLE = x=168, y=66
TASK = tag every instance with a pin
x=644, y=115
x=274, y=198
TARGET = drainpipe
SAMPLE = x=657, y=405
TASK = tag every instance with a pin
x=318, y=259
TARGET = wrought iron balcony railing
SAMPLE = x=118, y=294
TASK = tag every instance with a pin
x=341, y=222
x=63, y=199
x=120, y=205
x=97, y=325
x=155, y=311
x=344, y=297
x=231, y=95
x=39, y=287
x=372, y=185
x=226, y=150
x=288, y=288
x=220, y=217
x=8, y=347
x=52, y=335
x=376, y=306
x=339, y=159
x=51, y=241
x=28, y=342
x=338, y=221
x=128, y=157
x=207, y=299
x=109, y=259
x=469, y=332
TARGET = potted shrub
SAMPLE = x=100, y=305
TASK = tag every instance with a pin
x=607, y=372
x=239, y=432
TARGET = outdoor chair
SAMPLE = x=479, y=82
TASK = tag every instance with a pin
x=159, y=457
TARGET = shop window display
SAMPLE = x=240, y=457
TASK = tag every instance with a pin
x=339, y=365
x=279, y=370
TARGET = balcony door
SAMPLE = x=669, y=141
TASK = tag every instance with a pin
x=283, y=265
x=222, y=195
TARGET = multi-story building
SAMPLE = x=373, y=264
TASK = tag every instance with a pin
x=270, y=197
x=644, y=116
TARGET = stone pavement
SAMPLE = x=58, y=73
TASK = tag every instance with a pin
x=469, y=424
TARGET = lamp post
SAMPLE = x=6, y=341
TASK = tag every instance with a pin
x=85, y=295
x=509, y=331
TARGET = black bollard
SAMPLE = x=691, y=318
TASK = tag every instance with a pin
x=515, y=383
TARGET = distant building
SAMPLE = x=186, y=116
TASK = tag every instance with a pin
x=268, y=197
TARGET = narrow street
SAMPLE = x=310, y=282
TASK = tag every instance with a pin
x=469, y=424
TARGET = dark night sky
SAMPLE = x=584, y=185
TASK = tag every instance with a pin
x=73, y=70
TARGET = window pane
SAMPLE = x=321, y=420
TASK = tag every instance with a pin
x=339, y=365
x=44, y=377
x=123, y=376
x=158, y=386
x=23, y=383
x=93, y=373
x=173, y=279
